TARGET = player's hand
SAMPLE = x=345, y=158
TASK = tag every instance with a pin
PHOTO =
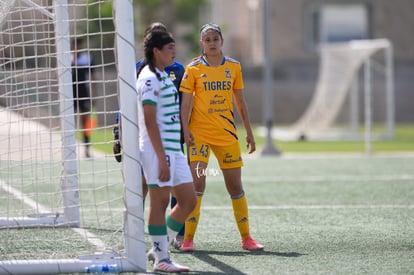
x=117, y=150
x=189, y=138
x=117, y=145
x=163, y=170
x=250, y=144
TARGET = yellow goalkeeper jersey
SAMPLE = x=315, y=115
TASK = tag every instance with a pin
x=212, y=117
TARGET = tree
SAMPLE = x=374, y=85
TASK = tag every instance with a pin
x=172, y=13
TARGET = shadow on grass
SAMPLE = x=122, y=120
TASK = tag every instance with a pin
x=206, y=256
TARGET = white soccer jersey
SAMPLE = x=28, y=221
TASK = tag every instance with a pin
x=164, y=95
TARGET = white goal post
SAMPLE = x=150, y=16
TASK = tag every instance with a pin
x=341, y=65
x=61, y=212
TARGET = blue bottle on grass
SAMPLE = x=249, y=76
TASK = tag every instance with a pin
x=102, y=268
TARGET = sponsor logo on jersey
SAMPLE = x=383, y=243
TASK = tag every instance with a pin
x=218, y=99
x=228, y=158
x=217, y=110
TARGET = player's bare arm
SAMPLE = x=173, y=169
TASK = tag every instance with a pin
x=186, y=100
x=241, y=107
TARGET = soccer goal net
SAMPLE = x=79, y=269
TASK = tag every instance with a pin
x=349, y=73
x=64, y=209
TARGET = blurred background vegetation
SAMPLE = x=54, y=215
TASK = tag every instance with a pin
x=172, y=13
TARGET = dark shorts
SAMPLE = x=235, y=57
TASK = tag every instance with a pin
x=82, y=105
x=81, y=99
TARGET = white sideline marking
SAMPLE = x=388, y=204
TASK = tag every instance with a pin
x=20, y=196
x=293, y=206
x=350, y=206
x=91, y=238
x=88, y=236
x=313, y=178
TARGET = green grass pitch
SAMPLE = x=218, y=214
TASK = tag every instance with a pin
x=315, y=216
x=315, y=213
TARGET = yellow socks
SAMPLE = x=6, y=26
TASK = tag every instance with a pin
x=241, y=214
x=192, y=219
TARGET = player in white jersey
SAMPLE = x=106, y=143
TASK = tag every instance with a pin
x=164, y=164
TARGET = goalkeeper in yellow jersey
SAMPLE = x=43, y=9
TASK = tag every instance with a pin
x=208, y=87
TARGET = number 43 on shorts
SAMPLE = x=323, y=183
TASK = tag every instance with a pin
x=204, y=150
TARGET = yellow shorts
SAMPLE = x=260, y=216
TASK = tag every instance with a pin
x=228, y=156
